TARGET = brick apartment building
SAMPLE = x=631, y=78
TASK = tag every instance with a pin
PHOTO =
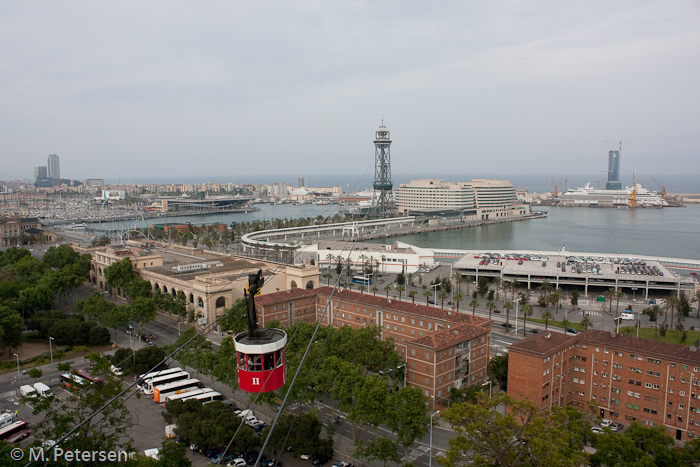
x=629, y=378
x=442, y=349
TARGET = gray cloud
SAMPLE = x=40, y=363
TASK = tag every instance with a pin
x=199, y=88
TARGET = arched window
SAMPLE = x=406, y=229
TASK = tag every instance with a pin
x=309, y=285
x=172, y=291
x=165, y=289
x=200, y=302
x=157, y=287
x=100, y=269
x=220, y=302
x=191, y=298
x=294, y=285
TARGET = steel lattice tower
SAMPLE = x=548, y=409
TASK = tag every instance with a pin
x=382, y=202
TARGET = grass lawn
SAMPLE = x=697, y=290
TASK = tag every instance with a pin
x=672, y=336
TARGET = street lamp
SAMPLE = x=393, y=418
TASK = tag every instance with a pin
x=129, y=333
x=484, y=384
x=517, y=302
x=634, y=291
x=430, y=459
x=435, y=293
x=405, y=371
x=51, y=349
x=19, y=381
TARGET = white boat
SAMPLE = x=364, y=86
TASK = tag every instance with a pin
x=77, y=227
x=589, y=196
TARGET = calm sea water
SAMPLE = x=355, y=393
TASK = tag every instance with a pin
x=668, y=232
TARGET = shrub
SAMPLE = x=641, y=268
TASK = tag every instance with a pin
x=7, y=365
x=40, y=360
x=99, y=336
x=35, y=373
x=64, y=348
x=63, y=366
x=81, y=348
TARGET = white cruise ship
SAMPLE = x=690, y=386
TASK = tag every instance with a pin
x=589, y=196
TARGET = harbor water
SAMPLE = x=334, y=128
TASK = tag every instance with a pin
x=668, y=232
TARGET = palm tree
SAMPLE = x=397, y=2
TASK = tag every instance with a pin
x=653, y=313
x=545, y=287
x=427, y=294
x=506, y=287
x=412, y=293
x=469, y=281
x=527, y=311
x=362, y=288
x=375, y=290
x=585, y=322
x=473, y=304
x=400, y=288
x=387, y=288
x=458, y=280
x=490, y=305
x=554, y=299
x=497, y=281
x=508, y=306
x=672, y=304
x=443, y=296
x=514, y=283
x=458, y=298
x=546, y=316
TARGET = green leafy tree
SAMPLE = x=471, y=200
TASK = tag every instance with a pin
x=653, y=312
x=482, y=286
x=172, y=454
x=519, y=435
x=410, y=419
x=638, y=445
x=107, y=432
x=11, y=327
x=585, y=322
x=474, y=303
x=382, y=449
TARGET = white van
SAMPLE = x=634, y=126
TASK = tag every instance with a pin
x=43, y=390
x=6, y=419
x=27, y=391
x=627, y=315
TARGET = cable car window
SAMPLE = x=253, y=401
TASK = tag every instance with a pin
x=241, y=361
x=254, y=363
x=278, y=357
x=269, y=361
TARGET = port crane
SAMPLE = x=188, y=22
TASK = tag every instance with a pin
x=632, y=196
x=556, y=188
x=661, y=187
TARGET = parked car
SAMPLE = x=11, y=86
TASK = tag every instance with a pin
x=535, y=330
x=597, y=430
x=306, y=457
x=507, y=325
x=572, y=330
x=320, y=460
x=238, y=462
x=115, y=371
x=616, y=426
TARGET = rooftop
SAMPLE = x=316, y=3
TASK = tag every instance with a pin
x=544, y=343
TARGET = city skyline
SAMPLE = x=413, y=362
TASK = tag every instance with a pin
x=534, y=87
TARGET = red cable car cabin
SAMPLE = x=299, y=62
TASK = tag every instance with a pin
x=261, y=365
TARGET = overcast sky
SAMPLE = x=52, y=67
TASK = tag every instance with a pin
x=177, y=88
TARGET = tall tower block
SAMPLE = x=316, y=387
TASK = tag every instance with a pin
x=382, y=202
x=613, y=182
x=54, y=166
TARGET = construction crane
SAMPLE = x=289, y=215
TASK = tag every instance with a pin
x=662, y=188
x=632, y=196
x=566, y=185
x=619, y=142
x=556, y=188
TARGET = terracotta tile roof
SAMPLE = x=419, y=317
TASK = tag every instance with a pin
x=405, y=307
x=675, y=352
x=544, y=343
x=277, y=297
x=447, y=338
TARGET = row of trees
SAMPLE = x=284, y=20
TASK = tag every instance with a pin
x=522, y=434
x=28, y=285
